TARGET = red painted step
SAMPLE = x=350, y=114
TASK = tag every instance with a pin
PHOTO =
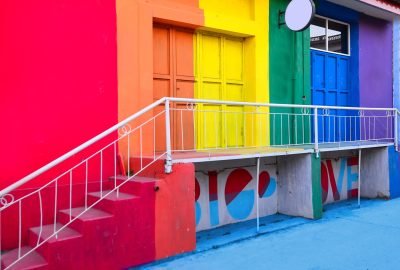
x=133, y=244
x=98, y=229
x=138, y=185
x=32, y=261
x=112, y=201
x=60, y=252
x=140, y=219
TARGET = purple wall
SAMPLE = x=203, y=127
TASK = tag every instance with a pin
x=375, y=48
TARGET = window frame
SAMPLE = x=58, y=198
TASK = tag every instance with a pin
x=326, y=36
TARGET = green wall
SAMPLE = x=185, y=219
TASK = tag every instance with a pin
x=289, y=77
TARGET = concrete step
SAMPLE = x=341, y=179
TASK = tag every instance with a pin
x=60, y=252
x=32, y=261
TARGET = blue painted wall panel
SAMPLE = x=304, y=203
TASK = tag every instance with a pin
x=394, y=175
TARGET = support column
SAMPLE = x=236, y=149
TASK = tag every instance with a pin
x=375, y=173
x=299, y=189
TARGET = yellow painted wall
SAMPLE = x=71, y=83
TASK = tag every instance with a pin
x=247, y=20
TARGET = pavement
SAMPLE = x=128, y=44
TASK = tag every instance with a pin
x=347, y=237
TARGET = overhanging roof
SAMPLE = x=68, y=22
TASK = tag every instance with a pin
x=383, y=9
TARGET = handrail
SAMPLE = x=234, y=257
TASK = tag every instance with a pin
x=76, y=150
x=276, y=105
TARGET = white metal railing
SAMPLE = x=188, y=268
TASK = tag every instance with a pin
x=228, y=125
x=181, y=126
x=59, y=192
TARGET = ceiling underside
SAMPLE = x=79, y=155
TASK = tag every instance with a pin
x=383, y=9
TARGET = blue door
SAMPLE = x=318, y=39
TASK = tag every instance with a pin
x=331, y=86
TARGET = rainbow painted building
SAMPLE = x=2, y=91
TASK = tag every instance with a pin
x=131, y=125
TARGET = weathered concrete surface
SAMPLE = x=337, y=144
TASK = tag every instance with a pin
x=295, y=186
x=375, y=173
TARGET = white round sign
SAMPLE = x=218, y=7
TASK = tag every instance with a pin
x=299, y=13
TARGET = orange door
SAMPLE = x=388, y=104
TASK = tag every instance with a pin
x=173, y=77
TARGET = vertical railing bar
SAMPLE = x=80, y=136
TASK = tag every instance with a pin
x=295, y=129
x=101, y=174
x=288, y=118
x=281, y=129
x=154, y=139
x=387, y=125
x=182, y=144
x=365, y=128
x=334, y=127
x=323, y=127
x=115, y=168
x=340, y=127
x=374, y=127
x=19, y=228
x=236, y=128
x=273, y=129
x=41, y=217
x=259, y=126
x=168, y=164
x=55, y=206
x=316, y=131
x=216, y=129
x=244, y=126
x=329, y=126
x=70, y=195
x=195, y=143
x=86, y=183
x=129, y=154
x=345, y=128
x=252, y=129
x=226, y=129
x=303, y=128
x=309, y=125
x=204, y=128
x=369, y=127
x=361, y=123
x=141, y=147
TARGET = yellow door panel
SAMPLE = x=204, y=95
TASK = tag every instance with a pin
x=219, y=62
x=234, y=92
x=211, y=57
x=233, y=59
x=234, y=127
x=211, y=128
x=211, y=90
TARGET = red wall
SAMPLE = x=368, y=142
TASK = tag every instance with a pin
x=58, y=79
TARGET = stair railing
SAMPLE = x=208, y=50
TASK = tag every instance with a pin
x=122, y=135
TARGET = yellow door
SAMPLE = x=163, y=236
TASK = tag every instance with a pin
x=219, y=76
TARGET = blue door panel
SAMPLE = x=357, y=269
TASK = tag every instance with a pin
x=331, y=72
x=344, y=81
x=318, y=72
x=330, y=85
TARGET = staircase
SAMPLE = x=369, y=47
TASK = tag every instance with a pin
x=115, y=234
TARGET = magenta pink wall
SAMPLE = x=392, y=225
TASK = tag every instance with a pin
x=375, y=49
x=58, y=79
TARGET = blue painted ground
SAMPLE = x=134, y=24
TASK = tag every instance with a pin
x=346, y=238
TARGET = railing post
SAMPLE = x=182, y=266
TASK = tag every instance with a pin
x=168, y=161
x=316, y=149
x=396, y=132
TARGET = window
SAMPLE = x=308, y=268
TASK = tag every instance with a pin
x=329, y=35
